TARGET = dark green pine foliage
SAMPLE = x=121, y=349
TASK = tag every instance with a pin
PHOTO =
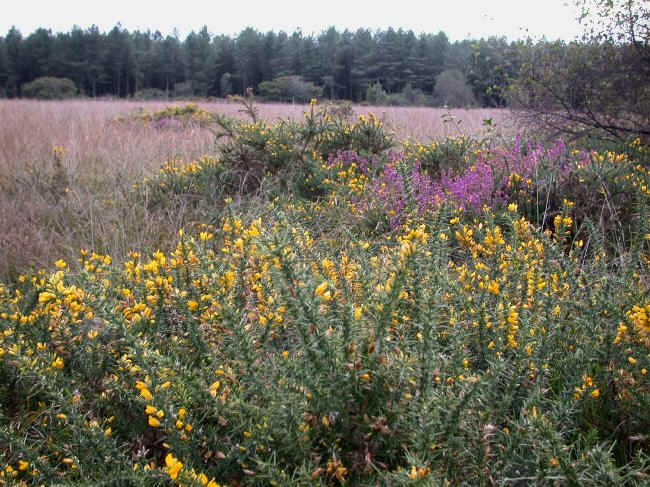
x=342, y=64
x=15, y=62
x=4, y=68
x=199, y=61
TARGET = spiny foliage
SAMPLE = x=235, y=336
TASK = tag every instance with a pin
x=308, y=344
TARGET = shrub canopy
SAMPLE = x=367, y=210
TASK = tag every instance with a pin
x=50, y=88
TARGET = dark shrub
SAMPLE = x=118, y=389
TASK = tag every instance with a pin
x=150, y=94
x=452, y=90
x=48, y=88
x=289, y=89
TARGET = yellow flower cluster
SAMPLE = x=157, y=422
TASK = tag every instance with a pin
x=499, y=288
x=175, y=468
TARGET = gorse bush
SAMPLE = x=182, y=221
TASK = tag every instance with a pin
x=393, y=325
x=290, y=152
x=201, y=183
x=263, y=356
x=443, y=157
x=174, y=117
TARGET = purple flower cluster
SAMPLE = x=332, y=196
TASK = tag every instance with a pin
x=400, y=187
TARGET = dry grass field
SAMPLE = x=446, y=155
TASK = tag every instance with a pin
x=52, y=204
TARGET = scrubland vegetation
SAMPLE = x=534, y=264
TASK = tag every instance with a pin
x=231, y=294
x=247, y=298
x=106, y=150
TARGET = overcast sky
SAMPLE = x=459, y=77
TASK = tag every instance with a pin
x=459, y=19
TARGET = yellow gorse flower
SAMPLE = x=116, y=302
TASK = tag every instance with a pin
x=173, y=466
x=321, y=288
x=57, y=363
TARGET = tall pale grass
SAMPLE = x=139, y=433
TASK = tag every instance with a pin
x=49, y=210
x=423, y=124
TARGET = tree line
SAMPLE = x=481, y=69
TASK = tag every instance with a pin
x=343, y=65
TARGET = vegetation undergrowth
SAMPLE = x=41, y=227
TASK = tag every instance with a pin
x=347, y=312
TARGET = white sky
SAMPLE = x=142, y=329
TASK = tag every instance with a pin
x=459, y=19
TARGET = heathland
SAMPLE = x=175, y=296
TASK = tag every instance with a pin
x=321, y=294
x=107, y=151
